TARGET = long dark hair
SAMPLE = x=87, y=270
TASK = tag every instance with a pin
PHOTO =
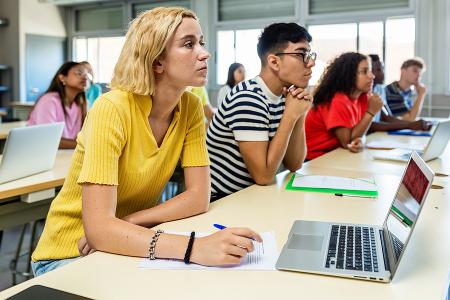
x=230, y=80
x=339, y=76
x=57, y=86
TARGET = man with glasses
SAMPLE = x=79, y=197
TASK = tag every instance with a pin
x=260, y=123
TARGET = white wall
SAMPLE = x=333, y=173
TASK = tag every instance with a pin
x=26, y=17
x=434, y=47
x=41, y=19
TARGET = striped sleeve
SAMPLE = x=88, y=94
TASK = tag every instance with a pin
x=395, y=101
x=104, y=138
x=247, y=117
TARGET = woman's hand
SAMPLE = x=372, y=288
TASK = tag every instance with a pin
x=84, y=248
x=225, y=247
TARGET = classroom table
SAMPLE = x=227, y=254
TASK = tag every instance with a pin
x=344, y=159
x=422, y=273
x=13, y=211
x=5, y=128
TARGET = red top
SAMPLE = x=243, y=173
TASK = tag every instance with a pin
x=340, y=112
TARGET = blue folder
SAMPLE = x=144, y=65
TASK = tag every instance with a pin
x=409, y=132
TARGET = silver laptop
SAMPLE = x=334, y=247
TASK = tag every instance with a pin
x=361, y=251
x=30, y=150
x=435, y=147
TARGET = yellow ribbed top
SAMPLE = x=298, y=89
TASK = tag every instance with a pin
x=116, y=147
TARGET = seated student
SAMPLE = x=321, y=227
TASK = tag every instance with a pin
x=401, y=99
x=93, y=90
x=256, y=128
x=128, y=148
x=64, y=101
x=342, y=109
x=236, y=74
x=202, y=93
x=384, y=120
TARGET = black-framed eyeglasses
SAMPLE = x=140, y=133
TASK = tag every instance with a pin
x=306, y=56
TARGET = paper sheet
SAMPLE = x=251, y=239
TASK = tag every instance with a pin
x=333, y=182
x=263, y=257
x=395, y=145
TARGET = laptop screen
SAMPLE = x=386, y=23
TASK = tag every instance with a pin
x=406, y=207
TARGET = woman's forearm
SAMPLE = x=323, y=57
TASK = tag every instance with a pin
x=186, y=204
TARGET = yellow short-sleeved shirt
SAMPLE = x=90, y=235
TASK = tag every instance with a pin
x=201, y=93
x=116, y=147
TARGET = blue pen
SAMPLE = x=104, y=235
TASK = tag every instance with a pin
x=221, y=227
x=218, y=226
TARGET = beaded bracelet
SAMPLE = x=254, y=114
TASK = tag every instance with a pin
x=152, y=247
x=187, y=255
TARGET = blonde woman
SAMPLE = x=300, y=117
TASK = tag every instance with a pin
x=127, y=150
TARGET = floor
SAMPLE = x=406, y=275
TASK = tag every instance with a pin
x=8, y=248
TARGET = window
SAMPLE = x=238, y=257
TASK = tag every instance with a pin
x=95, y=19
x=237, y=46
x=329, y=41
x=371, y=38
x=141, y=7
x=394, y=46
x=101, y=52
x=332, y=6
x=230, y=10
x=400, y=37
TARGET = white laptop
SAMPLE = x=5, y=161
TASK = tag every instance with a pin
x=358, y=251
x=30, y=150
x=435, y=147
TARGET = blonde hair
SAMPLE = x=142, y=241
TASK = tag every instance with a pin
x=145, y=42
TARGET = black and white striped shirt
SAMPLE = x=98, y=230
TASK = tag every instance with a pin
x=249, y=112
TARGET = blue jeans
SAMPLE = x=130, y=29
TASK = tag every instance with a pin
x=44, y=266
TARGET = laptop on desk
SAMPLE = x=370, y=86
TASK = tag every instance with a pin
x=435, y=147
x=361, y=251
x=30, y=150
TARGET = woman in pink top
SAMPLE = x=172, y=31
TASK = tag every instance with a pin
x=64, y=101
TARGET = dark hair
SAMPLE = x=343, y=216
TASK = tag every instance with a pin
x=57, y=86
x=339, y=76
x=230, y=80
x=374, y=57
x=275, y=38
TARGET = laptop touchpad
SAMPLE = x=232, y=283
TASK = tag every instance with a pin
x=306, y=242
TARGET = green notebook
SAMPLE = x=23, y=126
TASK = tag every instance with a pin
x=369, y=190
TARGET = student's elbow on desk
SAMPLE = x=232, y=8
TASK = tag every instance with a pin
x=201, y=203
x=293, y=166
x=263, y=179
x=96, y=232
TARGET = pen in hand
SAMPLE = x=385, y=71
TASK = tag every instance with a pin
x=222, y=227
x=218, y=226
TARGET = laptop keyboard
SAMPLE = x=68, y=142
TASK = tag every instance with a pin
x=398, y=246
x=352, y=248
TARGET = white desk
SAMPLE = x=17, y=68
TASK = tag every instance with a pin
x=422, y=273
x=344, y=159
x=6, y=127
x=13, y=211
